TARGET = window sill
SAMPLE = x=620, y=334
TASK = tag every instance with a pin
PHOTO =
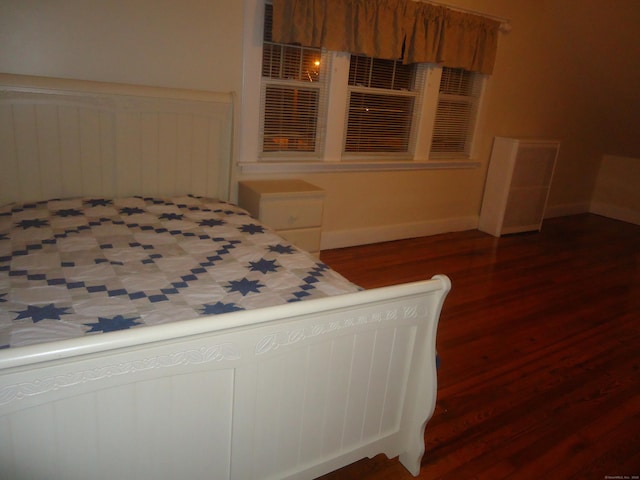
x=371, y=166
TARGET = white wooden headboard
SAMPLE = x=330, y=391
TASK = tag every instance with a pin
x=64, y=138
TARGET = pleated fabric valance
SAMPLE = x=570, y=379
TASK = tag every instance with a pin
x=414, y=31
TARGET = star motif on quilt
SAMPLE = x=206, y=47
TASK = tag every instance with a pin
x=211, y=222
x=219, y=307
x=263, y=265
x=130, y=210
x=98, y=202
x=69, y=212
x=245, y=286
x=281, y=248
x=35, y=223
x=37, y=313
x=252, y=229
x=112, y=324
x=171, y=216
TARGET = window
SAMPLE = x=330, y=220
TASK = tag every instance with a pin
x=292, y=96
x=382, y=104
x=308, y=109
x=458, y=99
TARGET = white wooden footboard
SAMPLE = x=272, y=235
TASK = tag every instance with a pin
x=291, y=391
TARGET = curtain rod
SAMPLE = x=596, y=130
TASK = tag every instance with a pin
x=505, y=23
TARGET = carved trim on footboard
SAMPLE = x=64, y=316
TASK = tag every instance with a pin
x=196, y=356
x=288, y=337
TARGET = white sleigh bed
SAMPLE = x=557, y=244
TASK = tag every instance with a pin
x=285, y=391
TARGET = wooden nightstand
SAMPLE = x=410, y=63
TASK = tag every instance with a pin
x=291, y=207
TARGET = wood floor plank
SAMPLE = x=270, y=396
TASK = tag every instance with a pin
x=539, y=342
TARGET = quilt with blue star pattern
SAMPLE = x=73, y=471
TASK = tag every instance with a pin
x=84, y=266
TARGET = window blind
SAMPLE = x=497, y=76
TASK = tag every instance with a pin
x=382, y=105
x=458, y=101
x=293, y=89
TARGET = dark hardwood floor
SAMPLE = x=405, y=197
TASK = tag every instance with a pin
x=539, y=342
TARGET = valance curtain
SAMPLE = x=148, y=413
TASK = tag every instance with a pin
x=414, y=31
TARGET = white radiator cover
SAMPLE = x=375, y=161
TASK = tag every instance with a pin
x=518, y=184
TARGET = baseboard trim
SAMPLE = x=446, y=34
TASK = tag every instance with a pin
x=386, y=233
x=566, y=209
x=615, y=212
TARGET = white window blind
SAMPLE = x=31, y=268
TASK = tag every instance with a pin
x=458, y=101
x=382, y=106
x=293, y=91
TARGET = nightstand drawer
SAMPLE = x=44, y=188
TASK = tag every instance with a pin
x=293, y=208
x=305, y=238
x=288, y=213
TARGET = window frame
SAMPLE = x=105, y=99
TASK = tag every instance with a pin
x=465, y=128
x=293, y=85
x=288, y=71
x=333, y=158
x=415, y=93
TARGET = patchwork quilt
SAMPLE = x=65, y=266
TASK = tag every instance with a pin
x=83, y=266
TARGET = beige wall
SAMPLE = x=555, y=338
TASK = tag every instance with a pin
x=183, y=44
x=562, y=72
x=616, y=191
x=567, y=70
